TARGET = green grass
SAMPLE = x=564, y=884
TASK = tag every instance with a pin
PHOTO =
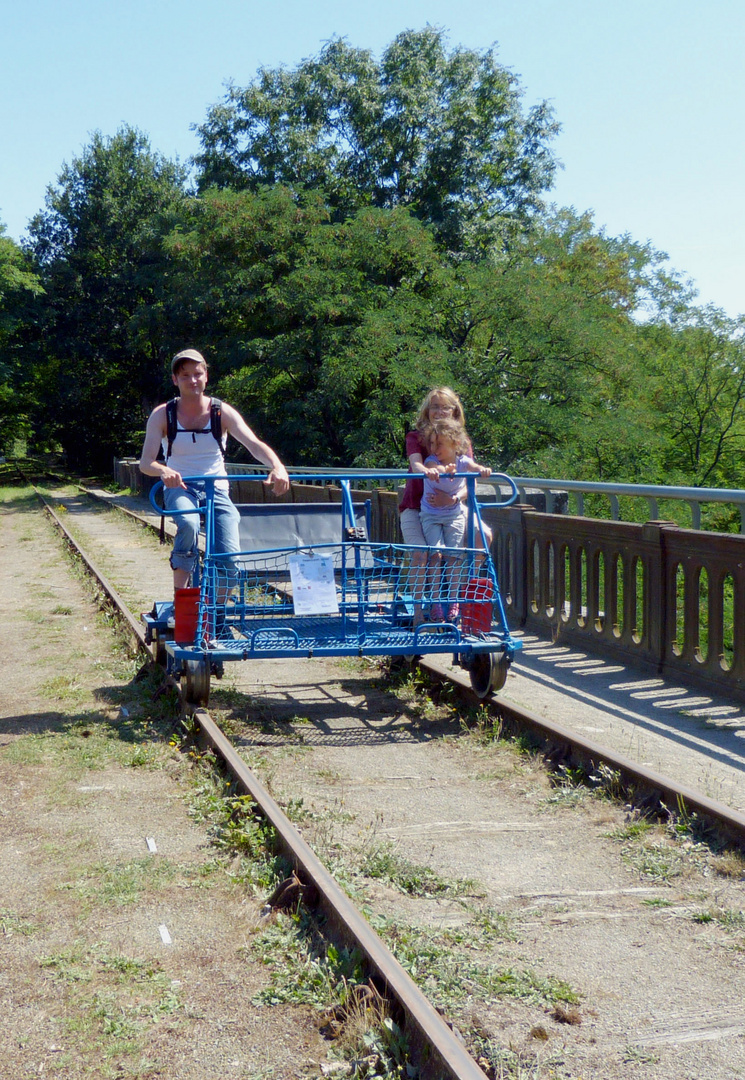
x=632, y=830
x=732, y=920
x=306, y=971
x=508, y=1063
x=451, y=979
x=119, y=884
x=64, y=688
x=384, y=863
x=91, y=743
x=111, y=1003
x=639, y=1055
x=12, y=923
x=303, y=969
x=658, y=862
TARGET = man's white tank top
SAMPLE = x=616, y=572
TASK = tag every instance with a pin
x=196, y=453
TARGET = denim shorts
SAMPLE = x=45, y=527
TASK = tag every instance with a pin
x=185, y=546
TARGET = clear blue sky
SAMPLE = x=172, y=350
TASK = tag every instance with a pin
x=650, y=95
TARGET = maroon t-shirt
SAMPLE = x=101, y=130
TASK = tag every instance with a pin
x=412, y=496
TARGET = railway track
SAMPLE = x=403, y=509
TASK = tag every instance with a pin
x=432, y=1036
x=646, y=786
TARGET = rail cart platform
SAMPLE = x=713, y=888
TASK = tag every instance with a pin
x=309, y=582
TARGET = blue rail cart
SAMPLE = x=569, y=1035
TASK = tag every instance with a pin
x=309, y=581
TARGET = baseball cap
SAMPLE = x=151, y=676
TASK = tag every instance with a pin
x=183, y=356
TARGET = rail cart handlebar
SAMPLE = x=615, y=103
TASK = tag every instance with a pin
x=472, y=479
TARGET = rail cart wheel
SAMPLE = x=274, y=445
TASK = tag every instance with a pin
x=195, y=681
x=158, y=648
x=488, y=673
x=500, y=667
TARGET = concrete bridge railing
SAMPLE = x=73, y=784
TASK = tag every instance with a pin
x=654, y=595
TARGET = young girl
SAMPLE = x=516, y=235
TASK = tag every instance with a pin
x=439, y=404
x=444, y=527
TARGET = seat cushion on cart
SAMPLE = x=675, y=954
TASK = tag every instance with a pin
x=293, y=526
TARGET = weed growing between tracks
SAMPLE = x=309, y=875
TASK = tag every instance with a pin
x=381, y=861
x=332, y=981
x=678, y=846
x=452, y=978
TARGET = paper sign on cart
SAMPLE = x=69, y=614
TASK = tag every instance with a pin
x=313, y=585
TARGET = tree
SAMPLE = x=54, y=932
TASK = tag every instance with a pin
x=545, y=343
x=442, y=134
x=18, y=286
x=325, y=332
x=694, y=393
x=97, y=247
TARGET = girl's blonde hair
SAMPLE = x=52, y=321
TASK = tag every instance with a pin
x=423, y=421
x=451, y=430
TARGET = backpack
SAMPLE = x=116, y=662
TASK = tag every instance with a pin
x=172, y=428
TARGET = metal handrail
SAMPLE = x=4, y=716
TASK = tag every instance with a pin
x=695, y=497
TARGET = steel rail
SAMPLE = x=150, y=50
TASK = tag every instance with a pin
x=133, y=626
x=650, y=789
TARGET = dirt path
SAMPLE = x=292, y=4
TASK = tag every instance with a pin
x=115, y=960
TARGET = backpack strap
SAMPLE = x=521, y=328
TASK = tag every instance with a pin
x=171, y=428
x=216, y=420
x=171, y=424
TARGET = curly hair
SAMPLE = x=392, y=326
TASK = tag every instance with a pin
x=451, y=430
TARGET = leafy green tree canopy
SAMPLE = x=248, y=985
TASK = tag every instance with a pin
x=16, y=281
x=324, y=333
x=98, y=249
x=18, y=288
x=443, y=134
x=694, y=394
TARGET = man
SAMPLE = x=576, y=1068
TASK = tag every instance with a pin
x=194, y=450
